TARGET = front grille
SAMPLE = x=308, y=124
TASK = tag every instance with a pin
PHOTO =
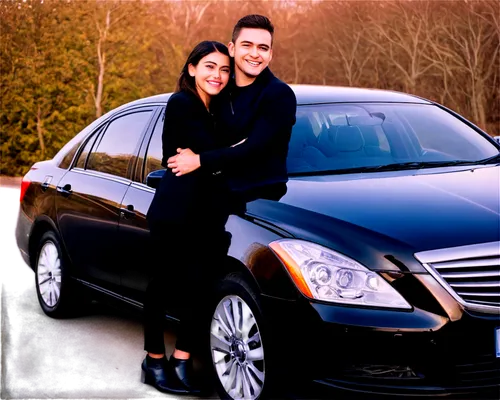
x=483, y=370
x=474, y=280
x=479, y=371
x=458, y=358
x=470, y=273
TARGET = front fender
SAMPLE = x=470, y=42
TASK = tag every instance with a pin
x=249, y=247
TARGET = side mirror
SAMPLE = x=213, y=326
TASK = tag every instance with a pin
x=497, y=139
x=153, y=179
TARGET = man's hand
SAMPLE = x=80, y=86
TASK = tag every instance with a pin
x=184, y=162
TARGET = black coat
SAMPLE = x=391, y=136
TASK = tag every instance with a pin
x=198, y=199
x=264, y=114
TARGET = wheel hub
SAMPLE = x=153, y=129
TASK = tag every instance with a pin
x=238, y=350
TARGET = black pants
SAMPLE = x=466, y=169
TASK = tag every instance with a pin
x=182, y=273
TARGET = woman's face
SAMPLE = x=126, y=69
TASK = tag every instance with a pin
x=211, y=75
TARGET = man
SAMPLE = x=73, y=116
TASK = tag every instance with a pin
x=258, y=111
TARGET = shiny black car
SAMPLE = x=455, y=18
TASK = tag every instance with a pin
x=377, y=272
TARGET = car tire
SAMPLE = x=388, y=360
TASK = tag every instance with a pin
x=240, y=365
x=56, y=294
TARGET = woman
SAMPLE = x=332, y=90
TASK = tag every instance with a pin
x=187, y=220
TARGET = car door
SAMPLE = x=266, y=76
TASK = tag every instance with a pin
x=89, y=196
x=133, y=230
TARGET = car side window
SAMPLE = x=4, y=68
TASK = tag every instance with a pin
x=66, y=161
x=115, y=149
x=82, y=157
x=155, y=152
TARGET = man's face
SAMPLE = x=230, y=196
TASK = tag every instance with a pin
x=252, y=52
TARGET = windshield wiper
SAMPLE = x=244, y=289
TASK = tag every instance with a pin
x=434, y=164
x=491, y=160
x=400, y=166
x=418, y=165
x=334, y=171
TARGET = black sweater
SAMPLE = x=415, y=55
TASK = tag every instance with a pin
x=199, y=198
x=264, y=114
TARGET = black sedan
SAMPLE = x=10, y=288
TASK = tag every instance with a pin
x=377, y=272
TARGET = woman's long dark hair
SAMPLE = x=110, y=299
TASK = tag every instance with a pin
x=186, y=82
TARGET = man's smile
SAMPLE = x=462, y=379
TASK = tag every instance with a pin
x=253, y=63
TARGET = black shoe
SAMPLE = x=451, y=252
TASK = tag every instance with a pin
x=183, y=370
x=158, y=373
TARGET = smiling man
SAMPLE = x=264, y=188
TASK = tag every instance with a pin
x=257, y=112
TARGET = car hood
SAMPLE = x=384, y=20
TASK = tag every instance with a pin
x=423, y=209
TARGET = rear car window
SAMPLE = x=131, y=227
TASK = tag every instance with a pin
x=155, y=153
x=116, y=148
x=82, y=157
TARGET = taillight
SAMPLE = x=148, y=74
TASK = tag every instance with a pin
x=25, y=184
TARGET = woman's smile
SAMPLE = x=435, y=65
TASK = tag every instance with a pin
x=215, y=83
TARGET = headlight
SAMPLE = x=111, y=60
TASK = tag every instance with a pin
x=324, y=274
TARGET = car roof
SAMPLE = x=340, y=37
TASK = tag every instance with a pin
x=317, y=94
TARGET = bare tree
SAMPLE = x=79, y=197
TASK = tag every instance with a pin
x=114, y=21
x=467, y=49
x=101, y=59
x=403, y=40
x=39, y=130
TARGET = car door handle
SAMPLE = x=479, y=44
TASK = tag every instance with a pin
x=64, y=190
x=127, y=212
x=46, y=183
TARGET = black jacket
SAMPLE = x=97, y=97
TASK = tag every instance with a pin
x=264, y=114
x=200, y=197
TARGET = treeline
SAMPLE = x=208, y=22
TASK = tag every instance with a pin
x=64, y=63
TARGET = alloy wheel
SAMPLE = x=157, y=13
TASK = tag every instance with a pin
x=49, y=274
x=236, y=348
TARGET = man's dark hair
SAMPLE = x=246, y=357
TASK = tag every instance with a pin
x=253, y=21
x=186, y=82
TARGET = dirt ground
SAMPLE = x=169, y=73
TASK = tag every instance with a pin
x=10, y=181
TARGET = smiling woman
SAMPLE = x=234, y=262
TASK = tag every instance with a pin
x=201, y=68
x=185, y=211
x=211, y=75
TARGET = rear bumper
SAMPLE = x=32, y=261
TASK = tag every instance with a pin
x=411, y=354
x=23, y=230
x=25, y=259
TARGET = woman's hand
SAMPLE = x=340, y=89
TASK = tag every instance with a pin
x=184, y=162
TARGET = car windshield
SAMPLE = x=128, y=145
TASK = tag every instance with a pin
x=337, y=138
